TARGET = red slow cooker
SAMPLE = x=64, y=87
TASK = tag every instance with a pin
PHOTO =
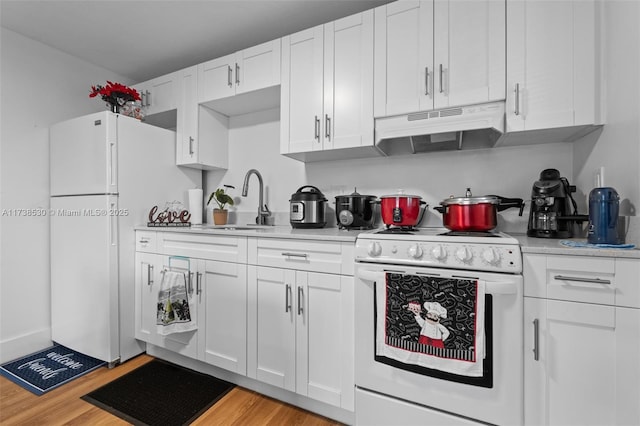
x=401, y=210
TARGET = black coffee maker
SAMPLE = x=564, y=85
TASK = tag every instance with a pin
x=554, y=212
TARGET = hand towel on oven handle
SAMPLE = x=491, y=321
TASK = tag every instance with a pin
x=174, y=313
x=433, y=322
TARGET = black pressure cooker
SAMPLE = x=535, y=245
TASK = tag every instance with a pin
x=307, y=208
x=355, y=211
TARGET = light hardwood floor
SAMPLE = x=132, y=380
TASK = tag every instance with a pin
x=63, y=406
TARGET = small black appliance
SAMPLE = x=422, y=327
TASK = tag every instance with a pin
x=554, y=212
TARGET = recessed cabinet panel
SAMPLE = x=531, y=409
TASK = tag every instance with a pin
x=216, y=79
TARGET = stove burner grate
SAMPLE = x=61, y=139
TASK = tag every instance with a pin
x=470, y=234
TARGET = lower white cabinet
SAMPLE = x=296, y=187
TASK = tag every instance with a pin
x=149, y=273
x=223, y=316
x=581, y=347
x=300, y=332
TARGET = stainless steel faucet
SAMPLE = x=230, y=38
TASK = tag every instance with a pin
x=263, y=214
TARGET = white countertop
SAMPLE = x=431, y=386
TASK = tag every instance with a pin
x=284, y=231
x=528, y=244
x=553, y=246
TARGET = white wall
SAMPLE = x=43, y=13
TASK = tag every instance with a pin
x=39, y=86
x=507, y=171
x=618, y=147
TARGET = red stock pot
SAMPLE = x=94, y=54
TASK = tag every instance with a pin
x=401, y=210
x=475, y=214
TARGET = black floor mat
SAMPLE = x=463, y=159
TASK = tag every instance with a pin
x=159, y=393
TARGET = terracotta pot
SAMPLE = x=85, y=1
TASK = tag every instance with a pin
x=220, y=216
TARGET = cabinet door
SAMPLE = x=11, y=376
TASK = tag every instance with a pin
x=324, y=338
x=271, y=329
x=159, y=94
x=223, y=316
x=587, y=371
x=216, y=79
x=257, y=67
x=187, y=142
x=551, y=51
x=302, y=91
x=403, y=78
x=469, y=52
x=348, y=82
x=148, y=269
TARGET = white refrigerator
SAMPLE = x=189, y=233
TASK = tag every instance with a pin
x=106, y=172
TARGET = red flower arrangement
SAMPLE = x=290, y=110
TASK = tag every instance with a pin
x=115, y=94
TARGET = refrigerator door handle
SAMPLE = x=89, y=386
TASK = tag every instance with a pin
x=113, y=223
x=113, y=172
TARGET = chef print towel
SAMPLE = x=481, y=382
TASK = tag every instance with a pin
x=432, y=322
x=174, y=313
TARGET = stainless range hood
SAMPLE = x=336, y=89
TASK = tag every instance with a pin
x=468, y=127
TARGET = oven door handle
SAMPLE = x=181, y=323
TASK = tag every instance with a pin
x=490, y=287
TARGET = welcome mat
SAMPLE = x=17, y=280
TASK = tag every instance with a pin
x=159, y=393
x=43, y=371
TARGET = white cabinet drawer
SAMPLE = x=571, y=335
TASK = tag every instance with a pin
x=607, y=281
x=209, y=247
x=146, y=241
x=303, y=255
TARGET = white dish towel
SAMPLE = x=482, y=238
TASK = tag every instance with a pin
x=174, y=303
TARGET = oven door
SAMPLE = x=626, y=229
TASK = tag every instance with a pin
x=495, y=397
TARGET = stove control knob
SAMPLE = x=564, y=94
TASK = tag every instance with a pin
x=415, y=251
x=374, y=249
x=491, y=256
x=439, y=253
x=464, y=254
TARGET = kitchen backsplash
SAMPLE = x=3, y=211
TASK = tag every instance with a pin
x=506, y=171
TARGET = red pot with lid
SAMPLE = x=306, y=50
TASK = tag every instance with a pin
x=475, y=214
x=401, y=210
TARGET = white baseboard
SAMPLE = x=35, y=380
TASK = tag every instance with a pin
x=20, y=346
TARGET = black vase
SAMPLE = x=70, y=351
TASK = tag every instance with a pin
x=115, y=108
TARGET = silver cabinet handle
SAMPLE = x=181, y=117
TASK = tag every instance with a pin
x=143, y=241
x=149, y=274
x=190, y=283
x=190, y=145
x=517, y=95
x=287, y=297
x=327, y=127
x=148, y=98
x=304, y=255
x=317, y=128
x=441, y=78
x=536, y=339
x=581, y=280
x=426, y=81
x=198, y=283
x=142, y=98
x=237, y=74
x=229, y=71
x=300, y=298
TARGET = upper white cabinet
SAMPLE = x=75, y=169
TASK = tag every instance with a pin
x=202, y=134
x=553, y=76
x=159, y=94
x=256, y=69
x=327, y=89
x=438, y=53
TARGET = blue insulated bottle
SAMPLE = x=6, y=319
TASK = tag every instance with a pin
x=604, y=204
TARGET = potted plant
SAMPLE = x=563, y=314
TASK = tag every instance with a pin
x=221, y=198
